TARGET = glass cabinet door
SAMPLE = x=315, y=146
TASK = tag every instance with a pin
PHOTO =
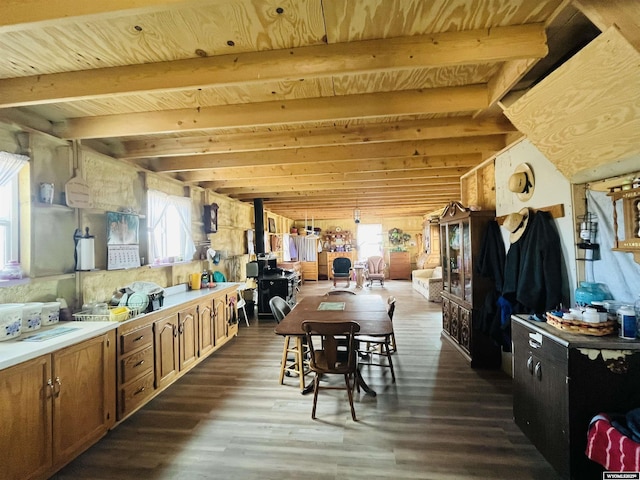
x=466, y=260
x=444, y=258
x=454, y=244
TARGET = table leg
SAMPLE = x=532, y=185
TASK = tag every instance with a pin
x=367, y=389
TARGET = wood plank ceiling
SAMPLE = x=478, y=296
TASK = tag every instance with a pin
x=316, y=106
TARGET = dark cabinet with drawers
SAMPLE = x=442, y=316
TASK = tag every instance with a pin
x=561, y=381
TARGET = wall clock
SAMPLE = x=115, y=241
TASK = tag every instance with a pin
x=210, y=218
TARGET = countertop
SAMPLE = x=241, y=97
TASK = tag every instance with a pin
x=576, y=340
x=18, y=350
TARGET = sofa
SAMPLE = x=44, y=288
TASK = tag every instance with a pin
x=428, y=282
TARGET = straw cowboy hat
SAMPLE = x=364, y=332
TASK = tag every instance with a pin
x=516, y=224
x=522, y=182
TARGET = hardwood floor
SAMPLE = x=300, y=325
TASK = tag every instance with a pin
x=229, y=418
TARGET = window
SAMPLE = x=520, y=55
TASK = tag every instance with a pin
x=9, y=238
x=369, y=240
x=170, y=238
x=10, y=166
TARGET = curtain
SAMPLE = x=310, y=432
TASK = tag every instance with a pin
x=10, y=165
x=158, y=203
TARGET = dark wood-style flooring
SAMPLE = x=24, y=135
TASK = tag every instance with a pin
x=229, y=418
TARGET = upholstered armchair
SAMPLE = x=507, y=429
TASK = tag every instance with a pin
x=375, y=270
x=341, y=270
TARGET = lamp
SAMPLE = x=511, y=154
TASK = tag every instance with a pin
x=356, y=215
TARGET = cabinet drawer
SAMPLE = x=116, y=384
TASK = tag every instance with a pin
x=135, y=394
x=136, y=364
x=136, y=339
x=541, y=345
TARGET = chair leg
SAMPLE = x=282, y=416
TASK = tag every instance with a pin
x=350, y=394
x=283, y=363
x=388, y=355
x=246, y=319
x=300, y=361
x=316, y=387
x=394, y=348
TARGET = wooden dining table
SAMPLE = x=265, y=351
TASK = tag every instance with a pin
x=368, y=311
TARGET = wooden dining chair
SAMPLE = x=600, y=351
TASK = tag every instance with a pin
x=380, y=347
x=327, y=356
x=295, y=352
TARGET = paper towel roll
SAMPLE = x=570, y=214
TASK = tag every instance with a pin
x=86, y=254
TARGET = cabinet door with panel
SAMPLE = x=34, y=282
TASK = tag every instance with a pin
x=220, y=319
x=188, y=336
x=206, y=329
x=26, y=392
x=167, y=359
x=55, y=406
x=84, y=395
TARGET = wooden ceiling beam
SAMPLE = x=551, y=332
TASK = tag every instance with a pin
x=251, y=173
x=355, y=192
x=339, y=185
x=345, y=107
x=362, y=176
x=425, y=129
x=278, y=158
x=418, y=51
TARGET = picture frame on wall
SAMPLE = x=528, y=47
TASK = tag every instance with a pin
x=272, y=225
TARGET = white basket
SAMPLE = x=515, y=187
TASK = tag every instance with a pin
x=50, y=313
x=32, y=316
x=114, y=315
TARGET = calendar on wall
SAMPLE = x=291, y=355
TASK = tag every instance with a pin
x=123, y=256
x=123, y=249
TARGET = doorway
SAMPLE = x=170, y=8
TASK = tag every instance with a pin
x=369, y=237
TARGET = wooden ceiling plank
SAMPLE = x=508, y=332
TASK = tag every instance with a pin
x=251, y=173
x=624, y=14
x=425, y=129
x=388, y=191
x=370, y=105
x=437, y=50
x=277, y=158
x=24, y=14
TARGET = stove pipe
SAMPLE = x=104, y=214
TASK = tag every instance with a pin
x=258, y=209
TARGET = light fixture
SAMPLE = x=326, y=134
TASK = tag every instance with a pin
x=356, y=215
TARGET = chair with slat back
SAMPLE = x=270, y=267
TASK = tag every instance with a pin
x=292, y=345
x=341, y=270
x=327, y=356
x=379, y=346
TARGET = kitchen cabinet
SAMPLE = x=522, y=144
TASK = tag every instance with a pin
x=59, y=404
x=325, y=262
x=310, y=271
x=135, y=366
x=188, y=337
x=464, y=292
x=399, y=266
x=561, y=381
x=167, y=350
x=206, y=328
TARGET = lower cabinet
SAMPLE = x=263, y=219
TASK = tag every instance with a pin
x=60, y=404
x=561, y=381
x=155, y=350
x=457, y=327
x=399, y=266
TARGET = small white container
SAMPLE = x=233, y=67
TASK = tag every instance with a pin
x=10, y=320
x=591, y=315
x=31, y=316
x=50, y=313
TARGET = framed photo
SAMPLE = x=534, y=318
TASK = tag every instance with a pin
x=122, y=228
x=272, y=225
x=210, y=218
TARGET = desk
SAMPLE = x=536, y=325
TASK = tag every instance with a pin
x=368, y=311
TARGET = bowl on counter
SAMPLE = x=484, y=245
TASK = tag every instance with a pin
x=50, y=313
x=10, y=320
x=31, y=316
